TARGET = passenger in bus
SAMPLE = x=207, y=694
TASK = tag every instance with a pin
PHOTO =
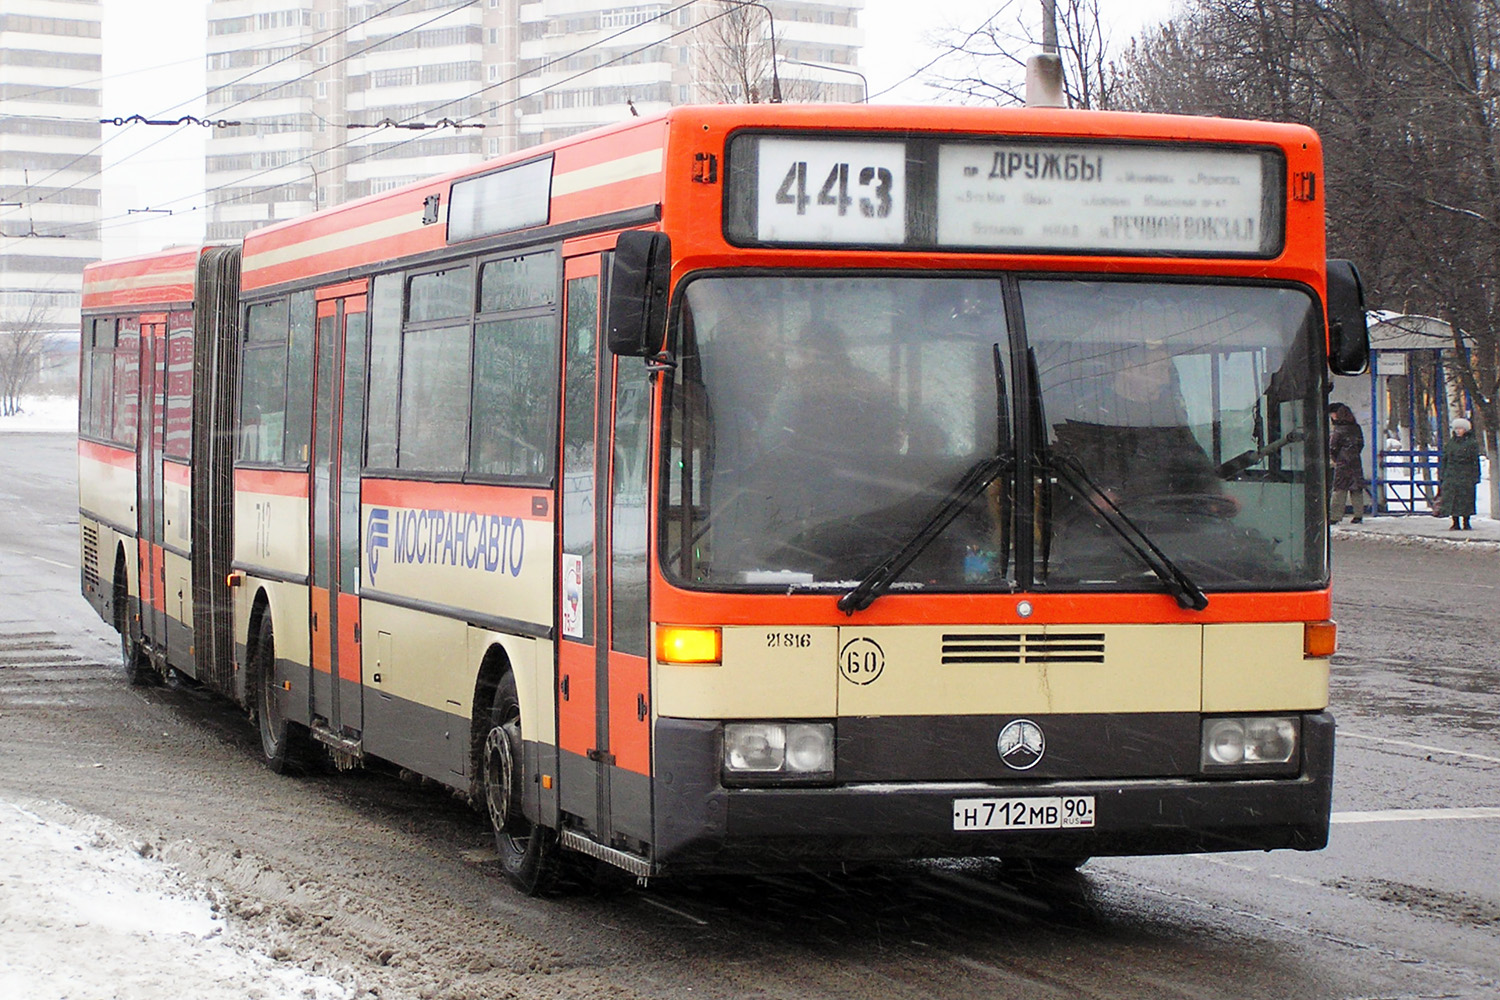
x=826, y=448
x=827, y=403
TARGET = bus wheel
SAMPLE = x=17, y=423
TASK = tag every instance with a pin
x=528, y=852
x=132, y=656
x=281, y=741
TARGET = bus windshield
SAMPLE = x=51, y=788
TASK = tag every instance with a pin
x=818, y=426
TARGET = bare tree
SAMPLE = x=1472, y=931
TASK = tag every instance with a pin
x=1407, y=99
x=734, y=52
x=23, y=340
x=991, y=58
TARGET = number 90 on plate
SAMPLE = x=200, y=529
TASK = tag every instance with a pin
x=1063, y=812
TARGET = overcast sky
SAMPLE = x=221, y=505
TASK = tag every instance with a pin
x=153, y=66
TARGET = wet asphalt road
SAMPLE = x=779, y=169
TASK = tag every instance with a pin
x=1405, y=902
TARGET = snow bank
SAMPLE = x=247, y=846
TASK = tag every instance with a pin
x=84, y=914
x=43, y=413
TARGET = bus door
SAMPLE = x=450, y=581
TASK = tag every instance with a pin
x=150, y=513
x=603, y=689
x=337, y=452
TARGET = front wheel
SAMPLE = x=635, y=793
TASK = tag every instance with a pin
x=281, y=741
x=528, y=852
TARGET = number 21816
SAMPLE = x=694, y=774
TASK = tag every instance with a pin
x=788, y=640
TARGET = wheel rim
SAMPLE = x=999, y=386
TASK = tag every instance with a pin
x=497, y=777
x=270, y=710
x=501, y=788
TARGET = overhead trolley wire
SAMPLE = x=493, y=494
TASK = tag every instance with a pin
x=123, y=220
x=204, y=96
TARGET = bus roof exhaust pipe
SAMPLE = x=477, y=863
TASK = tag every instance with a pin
x=1044, y=71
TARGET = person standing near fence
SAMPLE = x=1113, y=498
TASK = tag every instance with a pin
x=1346, y=447
x=1458, y=475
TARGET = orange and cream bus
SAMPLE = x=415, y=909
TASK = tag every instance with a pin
x=761, y=486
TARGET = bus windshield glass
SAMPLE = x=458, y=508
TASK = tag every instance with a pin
x=820, y=426
x=1192, y=410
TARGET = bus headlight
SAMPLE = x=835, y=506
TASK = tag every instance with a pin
x=1251, y=743
x=758, y=753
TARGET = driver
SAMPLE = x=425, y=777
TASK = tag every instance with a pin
x=1132, y=437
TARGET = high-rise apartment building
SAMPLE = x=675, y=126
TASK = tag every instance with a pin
x=338, y=99
x=50, y=63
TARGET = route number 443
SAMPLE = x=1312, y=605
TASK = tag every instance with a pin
x=872, y=190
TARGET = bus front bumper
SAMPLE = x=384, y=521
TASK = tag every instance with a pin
x=703, y=826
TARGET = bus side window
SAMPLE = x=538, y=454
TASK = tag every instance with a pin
x=515, y=397
x=99, y=378
x=263, y=383
x=127, y=383
x=515, y=368
x=629, y=517
x=434, y=403
x=299, y=382
x=385, y=371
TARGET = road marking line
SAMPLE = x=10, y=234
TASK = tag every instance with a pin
x=1419, y=746
x=52, y=562
x=672, y=910
x=1413, y=815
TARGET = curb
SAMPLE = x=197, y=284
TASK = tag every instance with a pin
x=1482, y=543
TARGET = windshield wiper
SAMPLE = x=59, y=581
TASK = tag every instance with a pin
x=1181, y=586
x=973, y=482
x=879, y=579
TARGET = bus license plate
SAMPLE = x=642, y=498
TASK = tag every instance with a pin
x=1060, y=813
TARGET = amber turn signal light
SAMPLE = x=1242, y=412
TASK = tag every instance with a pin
x=1319, y=639
x=688, y=644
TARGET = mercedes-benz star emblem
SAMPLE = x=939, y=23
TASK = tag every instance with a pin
x=1021, y=745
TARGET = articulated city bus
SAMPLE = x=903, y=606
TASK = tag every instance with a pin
x=760, y=487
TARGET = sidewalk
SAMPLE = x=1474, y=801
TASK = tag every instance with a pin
x=1422, y=529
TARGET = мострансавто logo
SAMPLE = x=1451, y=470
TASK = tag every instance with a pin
x=494, y=543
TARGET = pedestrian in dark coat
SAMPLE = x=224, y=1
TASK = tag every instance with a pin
x=1346, y=446
x=1458, y=474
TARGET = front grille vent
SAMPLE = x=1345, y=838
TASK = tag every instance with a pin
x=1022, y=648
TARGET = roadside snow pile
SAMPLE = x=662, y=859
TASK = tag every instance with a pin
x=43, y=413
x=83, y=914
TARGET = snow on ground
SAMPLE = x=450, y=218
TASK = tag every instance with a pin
x=44, y=413
x=86, y=914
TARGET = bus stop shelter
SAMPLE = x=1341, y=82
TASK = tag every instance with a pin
x=1404, y=408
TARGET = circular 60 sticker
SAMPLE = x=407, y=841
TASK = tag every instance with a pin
x=861, y=660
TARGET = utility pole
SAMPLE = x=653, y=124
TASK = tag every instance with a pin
x=1044, y=71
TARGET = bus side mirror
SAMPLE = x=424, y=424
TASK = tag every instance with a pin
x=640, y=271
x=1348, y=334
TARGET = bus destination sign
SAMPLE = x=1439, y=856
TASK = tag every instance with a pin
x=1132, y=199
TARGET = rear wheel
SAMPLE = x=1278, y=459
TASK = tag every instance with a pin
x=529, y=853
x=281, y=741
x=133, y=657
